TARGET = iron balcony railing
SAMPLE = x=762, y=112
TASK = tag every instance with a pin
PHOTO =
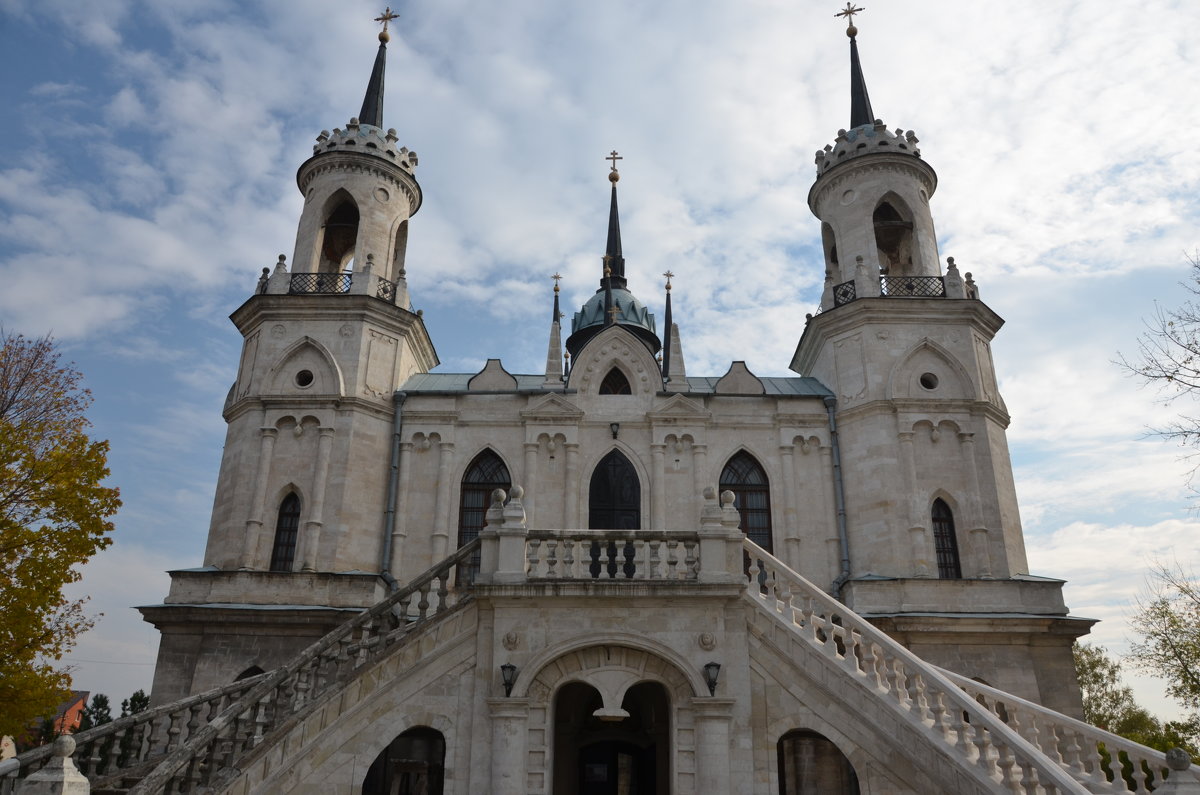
x=386, y=291
x=844, y=293
x=912, y=286
x=302, y=283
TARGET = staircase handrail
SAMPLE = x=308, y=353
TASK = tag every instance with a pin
x=1074, y=732
x=256, y=698
x=905, y=681
x=88, y=743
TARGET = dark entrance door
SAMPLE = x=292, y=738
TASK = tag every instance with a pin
x=616, y=768
x=615, y=496
x=604, y=757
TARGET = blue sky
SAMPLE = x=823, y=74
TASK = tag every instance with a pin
x=148, y=176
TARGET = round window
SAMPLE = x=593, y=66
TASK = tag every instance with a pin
x=305, y=378
x=929, y=380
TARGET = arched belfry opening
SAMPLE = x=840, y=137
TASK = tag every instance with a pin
x=486, y=473
x=602, y=756
x=399, y=251
x=339, y=235
x=893, y=238
x=413, y=764
x=615, y=495
x=829, y=244
x=810, y=764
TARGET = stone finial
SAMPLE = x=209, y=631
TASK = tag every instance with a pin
x=262, y=280
x=1178, y=759
x=59, y=776
x=727, y=498
x=514, y=511
x=709, y=493
x=730, y=517
x=281, y=265
x=498, y=498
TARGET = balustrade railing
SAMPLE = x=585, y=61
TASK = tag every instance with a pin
x=1103, y=761
x=906, y=683
x=191, y=741
x=302, y=283
x=912, y=286
x=612, y=555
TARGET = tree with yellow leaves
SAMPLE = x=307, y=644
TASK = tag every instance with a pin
x=54, y=515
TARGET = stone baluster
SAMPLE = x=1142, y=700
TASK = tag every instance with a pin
x=569, y=571
x=655, y=563
x=640, y=561
x=552, y=558
x=531, y=557
x=423, y=601
x=672, y=559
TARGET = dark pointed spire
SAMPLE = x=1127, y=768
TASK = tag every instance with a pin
x=614, y=262
x=372, y=107
x=860, y=102
x=666, y=349
x=557, y=314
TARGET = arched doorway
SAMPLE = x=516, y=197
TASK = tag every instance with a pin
x=810, y=764
x=412, y=764
x=612, y=757
x=615, y=495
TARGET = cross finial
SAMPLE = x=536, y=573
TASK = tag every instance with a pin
x=557, y=278
x=669, y=276
x=613, y=312
x=849, y=13
x=614, y=157
x=386, y=17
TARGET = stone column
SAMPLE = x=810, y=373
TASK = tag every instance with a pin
x=791, y=533
x=700, y=468
x=713, y=743
x=312, y=534
x=530, y=484
x=658, y=479
x=980, y=540
x=441, y=521
x=400, y=524
x=918, y=538
x=510, y=717
x=571, y=496
x=250, y=539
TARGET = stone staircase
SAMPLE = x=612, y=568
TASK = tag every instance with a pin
x=196, y=744
x=978, y=739
x=999, y=743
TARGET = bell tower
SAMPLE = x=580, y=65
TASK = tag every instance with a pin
x=929, y=501
x=301, y=526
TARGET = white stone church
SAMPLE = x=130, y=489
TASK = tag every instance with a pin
x=614, y=576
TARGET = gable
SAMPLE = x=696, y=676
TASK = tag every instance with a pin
x=619, y=348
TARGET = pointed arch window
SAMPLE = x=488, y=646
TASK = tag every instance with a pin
x=615, y=383
x=615, y=495
x=340, y=235
x=485, y=474
x=945, y=541
x=287, y=526
x=745, y=477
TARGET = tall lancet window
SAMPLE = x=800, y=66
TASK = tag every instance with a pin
x=485, y=474
x=751, y=496
x=615, y=495
x=945, y=542
x=287, y=526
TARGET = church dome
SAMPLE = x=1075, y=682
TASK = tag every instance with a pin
x=631, y=314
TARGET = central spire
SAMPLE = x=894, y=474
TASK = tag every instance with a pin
x=372, y=107
x=614, y=262
x=860, y=102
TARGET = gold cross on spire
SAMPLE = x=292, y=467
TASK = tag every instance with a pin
x=386, y=17
x=613, y=312
x=557, y=278
x=849, y=13
x=614, y=157
x=669, y=276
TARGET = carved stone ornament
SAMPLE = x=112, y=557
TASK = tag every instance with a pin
x=707, y=641
x=512, y=641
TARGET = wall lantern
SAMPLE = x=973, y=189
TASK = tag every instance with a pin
x=711, y=671
x=508, y=675
x=615, y=427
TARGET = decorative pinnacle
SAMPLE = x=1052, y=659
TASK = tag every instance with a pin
x=669, y=276
x=614, y=175
x=849, y=13
x=386, y=17
x=557, y=278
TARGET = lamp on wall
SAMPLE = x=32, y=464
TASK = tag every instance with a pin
x=615, y=427
x=711, y=671
x=508, y=675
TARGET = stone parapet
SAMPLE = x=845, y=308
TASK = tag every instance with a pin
x=323, y=589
